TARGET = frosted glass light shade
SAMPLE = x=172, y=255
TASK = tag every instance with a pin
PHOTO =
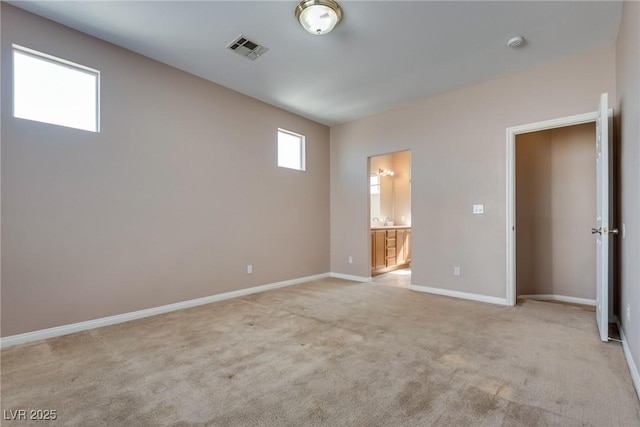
x=318, y=16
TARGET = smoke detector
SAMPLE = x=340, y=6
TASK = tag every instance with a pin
x=515, y=42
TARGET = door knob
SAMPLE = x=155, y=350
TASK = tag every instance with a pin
x=605, y=231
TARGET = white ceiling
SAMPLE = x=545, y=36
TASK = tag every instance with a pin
x=382, y=54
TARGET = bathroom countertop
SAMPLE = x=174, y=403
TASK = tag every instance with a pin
x=390, y=227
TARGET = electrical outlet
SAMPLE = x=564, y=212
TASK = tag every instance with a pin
x=478, y=209
x=249, y=269
x=628, y=313
x=350, y=259
x=456, y=271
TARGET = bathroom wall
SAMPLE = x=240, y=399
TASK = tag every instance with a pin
x=402, y=187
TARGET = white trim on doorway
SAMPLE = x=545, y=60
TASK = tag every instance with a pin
x=512, y=132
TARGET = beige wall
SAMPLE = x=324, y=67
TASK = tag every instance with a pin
x=555, y=210
x=169, y=202
x=458, y=156
x=628, y=121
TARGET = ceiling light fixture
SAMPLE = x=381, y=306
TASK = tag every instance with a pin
x=385, y=172
x=318, y=16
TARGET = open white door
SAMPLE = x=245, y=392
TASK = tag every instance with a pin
x=603, y=229
x=604, y=248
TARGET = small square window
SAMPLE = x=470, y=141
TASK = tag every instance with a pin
x=290, y=150
x=55, y=91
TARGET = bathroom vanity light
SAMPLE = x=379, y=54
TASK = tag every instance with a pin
x=385, y=172
x=318, y=16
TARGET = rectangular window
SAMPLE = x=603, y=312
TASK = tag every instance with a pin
x=290, y=150
x=52, y=90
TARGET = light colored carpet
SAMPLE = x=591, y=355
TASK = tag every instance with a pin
x=330, y=352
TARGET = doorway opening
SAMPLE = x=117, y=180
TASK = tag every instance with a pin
x=390, y=217
x=555, y=179
x=603, y=229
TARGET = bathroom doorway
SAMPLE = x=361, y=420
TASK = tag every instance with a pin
x=390, y=217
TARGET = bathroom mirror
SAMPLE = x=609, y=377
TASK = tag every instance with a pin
x=390, y=189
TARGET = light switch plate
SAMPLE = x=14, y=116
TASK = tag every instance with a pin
x=478, y=209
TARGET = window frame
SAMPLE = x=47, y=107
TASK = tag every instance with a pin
x=62, y=63
x=302, y=159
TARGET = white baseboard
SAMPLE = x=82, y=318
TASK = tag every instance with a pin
x=633, y=369
x=562, y=298
x=125, y=317
x=350, y=277
x=458, y=294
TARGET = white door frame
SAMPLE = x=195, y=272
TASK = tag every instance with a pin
x=512, y=132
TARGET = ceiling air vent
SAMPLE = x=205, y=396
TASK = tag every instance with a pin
x=245, y=47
